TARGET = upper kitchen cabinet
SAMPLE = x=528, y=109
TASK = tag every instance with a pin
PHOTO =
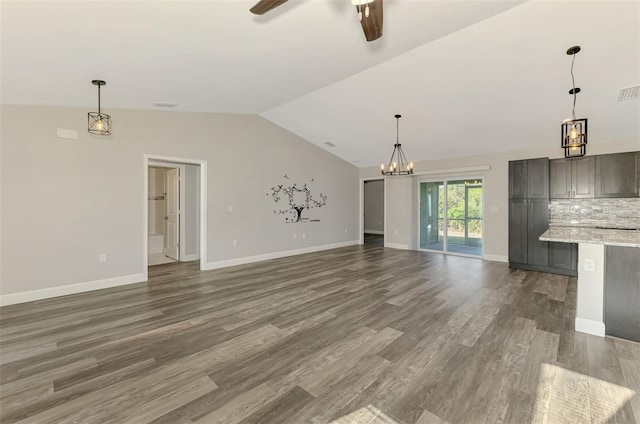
x=617, y=175
x=518, y=179
x=572, y=178
x=527, y=179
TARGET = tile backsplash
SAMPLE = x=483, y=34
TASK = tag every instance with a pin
x=616, y=213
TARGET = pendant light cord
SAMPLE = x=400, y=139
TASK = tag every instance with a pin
x=397, y=130
x=573, y=82
x=98, y=99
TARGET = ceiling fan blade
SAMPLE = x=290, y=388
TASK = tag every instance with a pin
x=263, y=6
x=372, y=25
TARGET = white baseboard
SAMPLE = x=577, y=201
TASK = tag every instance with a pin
x=397, y=246
x=189, y=258
x=495, y=258
x=590, y=327
x=381, y=233
x=265, y=257
x=28, y=296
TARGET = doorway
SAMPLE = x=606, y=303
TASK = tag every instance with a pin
x=372, y=211
x=451, y=216
x=174, y=211
x=164, y=215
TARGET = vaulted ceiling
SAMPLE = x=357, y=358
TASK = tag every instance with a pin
x=467, y=76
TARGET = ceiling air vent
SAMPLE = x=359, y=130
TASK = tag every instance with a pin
x=629, y=93
x=330, y=144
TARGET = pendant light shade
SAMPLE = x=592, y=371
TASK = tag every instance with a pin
x=398, y=164
x=573, y=130
x=99, y=123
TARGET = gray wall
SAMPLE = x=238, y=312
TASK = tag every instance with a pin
x=374, y=206
x=399, y=212
x=64, y=202
x=401, y=201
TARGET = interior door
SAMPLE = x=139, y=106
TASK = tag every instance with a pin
x=172, y=215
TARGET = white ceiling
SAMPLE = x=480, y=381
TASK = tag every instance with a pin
x=468, y=76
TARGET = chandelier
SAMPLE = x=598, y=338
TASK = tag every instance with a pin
x=398, y=164
x=99, y=123
x=574, y=131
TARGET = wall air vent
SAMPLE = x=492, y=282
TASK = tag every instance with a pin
x=165, y=104
x=629, y=93
x=330, y=144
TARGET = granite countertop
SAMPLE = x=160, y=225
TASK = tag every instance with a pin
x=626, y=238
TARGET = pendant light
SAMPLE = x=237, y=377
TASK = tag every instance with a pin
x=574, y=131
x=398, y=164
x=99, y=123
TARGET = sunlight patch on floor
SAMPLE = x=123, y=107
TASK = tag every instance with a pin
x=564, y=396
x=367, y=415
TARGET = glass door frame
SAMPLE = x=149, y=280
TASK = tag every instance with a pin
x=445, y=222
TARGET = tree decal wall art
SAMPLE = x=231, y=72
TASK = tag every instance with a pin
x=298, y=200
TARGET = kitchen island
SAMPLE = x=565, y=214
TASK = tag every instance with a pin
x=611, y=294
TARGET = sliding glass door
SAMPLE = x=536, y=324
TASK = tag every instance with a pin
x=451, y=216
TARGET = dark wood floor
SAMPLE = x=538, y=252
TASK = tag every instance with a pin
x=360, y=334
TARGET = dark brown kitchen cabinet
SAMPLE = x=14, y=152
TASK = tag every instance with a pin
x=572, y=178
x=537, y=223
x=518, y=231
x=618, y=175
x=563, y=255
x=518, y=179
x=528, y=179
x=622, y=292
x=529, y=218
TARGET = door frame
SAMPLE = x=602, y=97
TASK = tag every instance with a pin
x=445, y=179
x=361, y=216
x=170, y=161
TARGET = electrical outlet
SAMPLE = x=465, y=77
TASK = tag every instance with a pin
x=345, y=231
x=102, y=257
x=235, y=243
x=304, y=235
x=590, y=265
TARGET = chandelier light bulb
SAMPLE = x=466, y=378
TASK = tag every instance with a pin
x=574, y=133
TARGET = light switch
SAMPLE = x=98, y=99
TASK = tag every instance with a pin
x=230, y=209
x=590, y=265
